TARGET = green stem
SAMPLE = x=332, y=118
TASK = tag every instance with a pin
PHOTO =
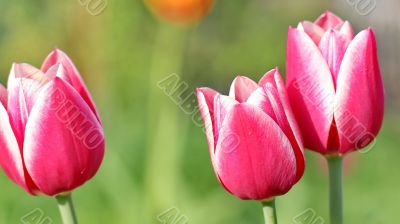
x=335, y=190
x=66, y=208
x=269, y=212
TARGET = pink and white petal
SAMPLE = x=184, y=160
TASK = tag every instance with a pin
x=333, y=45
x=314, y=31
x=265, y=102
x=359, y=102
x=57, y=70
x=205, y=98
x=328, y=20
x=11, y=156
x=29, y=78
x=64, y=142
x=294, y=135
x=269, y=77
x=222, y=106
x=26, y=71
x=347, y=30
x=75, y=79
x=269, y=100
x=310, y=89
x=241, y=88
x=280, y=86
x=254, y=158
x=3, y=96
x=22, y=95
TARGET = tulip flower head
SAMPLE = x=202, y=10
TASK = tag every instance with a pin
x=180, y=11
x=253, y=139
x=334, y=84
x=51, y=138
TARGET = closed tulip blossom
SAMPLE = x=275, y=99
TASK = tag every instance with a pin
x=253, y=139
x=51, y=138
x=334, y=84
x=336, y=91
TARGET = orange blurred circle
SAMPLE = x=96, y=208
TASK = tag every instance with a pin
x=180, y=11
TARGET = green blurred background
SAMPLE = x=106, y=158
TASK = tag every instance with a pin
x=156, y=157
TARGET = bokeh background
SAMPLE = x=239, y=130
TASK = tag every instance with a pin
x=156, y=156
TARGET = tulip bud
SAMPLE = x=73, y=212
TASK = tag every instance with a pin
x=51, y=138
x=334, y=84
x=180, y=11
x=253, y=139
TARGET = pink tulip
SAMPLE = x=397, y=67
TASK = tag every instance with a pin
x=334, y=85
x=51, y=138
x=254, y=142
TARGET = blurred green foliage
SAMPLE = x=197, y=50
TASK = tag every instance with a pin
x=156, y=158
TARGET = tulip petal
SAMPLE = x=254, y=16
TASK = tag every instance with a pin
x=25, y=71
x=24, y=85
x=280, y=86
x=254, y=158
x=272, y=99
x=64, y=142
x=266, y=101
x=11, y=158
x=295, y=134
x=328, y=20
x=333, y=45
x=269, y=77
x=3, y=96
x=57, y=70
x=347, y=30
x=205, y=98
x=222, y=106
x=310, y=89
x=74, y=78
x=314, y=31
x=359, y=102
x=241, y=88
